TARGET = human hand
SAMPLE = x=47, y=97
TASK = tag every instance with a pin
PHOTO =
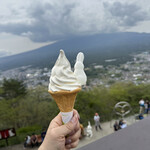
x=62, y=137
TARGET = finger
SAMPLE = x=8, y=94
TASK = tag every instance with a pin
x=77, y=127
x=68, y=127
x=76, y=112
x=72, y=145
x=56, y=122
x=75, y=130
x=74, y=137
x=74, y=134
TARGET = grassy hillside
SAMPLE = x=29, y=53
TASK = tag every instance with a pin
x=33, y=112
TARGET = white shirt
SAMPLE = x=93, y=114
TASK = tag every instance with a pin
x=96, y=118
x=124, y=125
x=141, y=102
x=28, y=139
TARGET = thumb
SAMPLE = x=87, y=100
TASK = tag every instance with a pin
x=68, y=127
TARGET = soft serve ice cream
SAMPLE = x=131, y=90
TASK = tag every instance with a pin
x=64, y=81
x=62, y=77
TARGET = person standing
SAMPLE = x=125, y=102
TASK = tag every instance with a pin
x=97, y=122
x=141, y=103
x=146, y=107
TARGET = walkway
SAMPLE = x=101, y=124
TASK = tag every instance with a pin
x=134, y=137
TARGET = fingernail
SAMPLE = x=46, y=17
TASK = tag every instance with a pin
x=68, y=141
x=74, y=119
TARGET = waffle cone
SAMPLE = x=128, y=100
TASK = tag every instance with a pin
x=65, y=99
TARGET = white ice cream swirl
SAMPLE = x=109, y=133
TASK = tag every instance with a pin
x=63, y=78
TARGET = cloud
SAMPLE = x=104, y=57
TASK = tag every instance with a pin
x=12, y=44
x=3, y=53
x=46, y=20
x=126, y=14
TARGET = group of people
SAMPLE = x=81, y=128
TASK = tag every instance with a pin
x=33, y=140
x=117, y=125
x=122, y=124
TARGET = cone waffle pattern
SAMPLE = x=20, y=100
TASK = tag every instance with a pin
x=65, y=99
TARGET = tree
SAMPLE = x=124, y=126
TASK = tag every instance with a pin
x=13, y=88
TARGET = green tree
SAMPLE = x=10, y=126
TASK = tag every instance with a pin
x=13, y=88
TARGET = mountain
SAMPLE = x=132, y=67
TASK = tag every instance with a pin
x=97, y=48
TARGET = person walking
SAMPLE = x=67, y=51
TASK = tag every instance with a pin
x=97, y=121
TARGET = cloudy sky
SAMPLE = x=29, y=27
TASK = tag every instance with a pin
x=29, y=24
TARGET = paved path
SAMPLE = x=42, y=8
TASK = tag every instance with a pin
x=107, y=129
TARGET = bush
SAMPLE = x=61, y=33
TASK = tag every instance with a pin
x=29, y=129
